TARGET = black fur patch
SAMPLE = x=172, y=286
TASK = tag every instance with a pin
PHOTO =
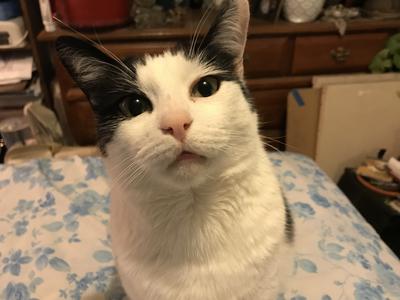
x=113, y=80
x=110, y=91
x=247, y=94
x=220, y=60
x=212, y=51
x=289, y=225
x=107, y=123
x=108, y=117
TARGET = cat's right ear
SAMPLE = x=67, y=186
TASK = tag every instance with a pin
x=228, y=33
x=93, y=70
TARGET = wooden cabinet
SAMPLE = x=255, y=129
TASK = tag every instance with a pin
x=334, y=54
x=278, y=57
x=266, y=57
x=81, y=121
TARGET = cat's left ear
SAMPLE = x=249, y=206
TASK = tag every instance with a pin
x=228, y=33
x=95, y=72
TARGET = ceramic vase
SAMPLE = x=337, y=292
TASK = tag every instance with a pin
x=300, y=11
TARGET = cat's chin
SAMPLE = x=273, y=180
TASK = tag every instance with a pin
x=187, y=170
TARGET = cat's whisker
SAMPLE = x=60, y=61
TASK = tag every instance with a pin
x=85, y=37
x=154, y=155
x=128, y=176
x=276, y=140
x=116, y=70
x=198, y=29
x=263, y=123
x=127, y=168
x=130, y=179
x=279, y=137
x=210, y=60
x=122, y=175
x=207, y=14
x=138, y=178
x=204, y=36
x=194, y=35
x=119, y=163
x=272, y=147
x=98, y=39
x=148, y=152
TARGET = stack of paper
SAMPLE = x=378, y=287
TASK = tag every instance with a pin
x=15, y=68
x=18, y=83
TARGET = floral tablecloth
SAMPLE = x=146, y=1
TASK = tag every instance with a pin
x=54, y=241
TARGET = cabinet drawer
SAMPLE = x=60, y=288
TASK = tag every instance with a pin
x=328, y=54
x=266, y=56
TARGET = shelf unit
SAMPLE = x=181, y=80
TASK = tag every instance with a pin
x=33, y=23
x=27, y=47
x=258, y=26
x=279, y=57
x=32, y=19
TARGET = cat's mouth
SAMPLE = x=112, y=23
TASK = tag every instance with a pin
x=189, y=156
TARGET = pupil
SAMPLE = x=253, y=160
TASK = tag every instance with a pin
x=133, y=106
x=137, y=107
x=205, y=88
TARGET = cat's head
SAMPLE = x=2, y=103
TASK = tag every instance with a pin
x=178, y=117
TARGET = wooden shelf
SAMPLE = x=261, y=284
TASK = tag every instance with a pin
x=27, y=47
x=257, y=27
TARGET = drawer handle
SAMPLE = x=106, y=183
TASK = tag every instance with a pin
x=340, y=54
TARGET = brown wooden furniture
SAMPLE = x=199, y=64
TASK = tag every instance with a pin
x=279, y=57
x=31, y=15
x=33, y=23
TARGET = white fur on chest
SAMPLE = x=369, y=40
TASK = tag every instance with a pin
x=218, y=241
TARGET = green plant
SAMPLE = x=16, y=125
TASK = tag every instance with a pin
x=388, y=59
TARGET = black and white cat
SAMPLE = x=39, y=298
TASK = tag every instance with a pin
x=197, y=212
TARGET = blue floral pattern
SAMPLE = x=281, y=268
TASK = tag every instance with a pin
x=54, y=241
x=338, y=255
x=46, y=248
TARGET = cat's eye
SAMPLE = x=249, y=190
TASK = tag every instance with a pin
x=135, y=105
x=206, y=87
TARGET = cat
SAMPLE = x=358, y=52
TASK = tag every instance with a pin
x=196, y=209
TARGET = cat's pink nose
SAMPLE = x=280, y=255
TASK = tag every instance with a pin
x=176, y=124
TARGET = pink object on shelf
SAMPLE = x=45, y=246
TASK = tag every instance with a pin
x=93, y=13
